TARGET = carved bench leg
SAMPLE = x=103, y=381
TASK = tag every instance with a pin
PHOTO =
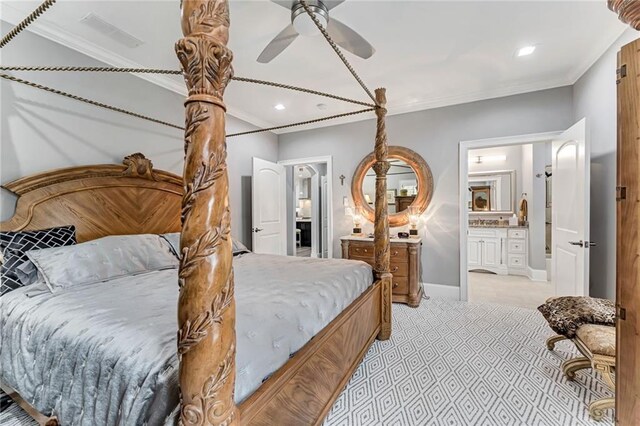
x=551, y=341
x=570, y=366
x=607, y=374
x=597, y=408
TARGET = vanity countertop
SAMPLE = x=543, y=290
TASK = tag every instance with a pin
x=499, y=226
x=300, y=219
x=392, y=239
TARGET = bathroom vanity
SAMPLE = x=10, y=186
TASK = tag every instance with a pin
x=499, y=249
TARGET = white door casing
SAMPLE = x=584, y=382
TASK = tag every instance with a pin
x=315, y=213
x=269, y=213
x=570, y=211
x=325, y=217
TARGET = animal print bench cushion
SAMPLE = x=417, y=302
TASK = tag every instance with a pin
x=566, y=314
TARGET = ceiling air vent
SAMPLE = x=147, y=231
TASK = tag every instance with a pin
x=111, y=31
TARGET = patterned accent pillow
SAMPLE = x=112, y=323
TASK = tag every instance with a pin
x=15, y=245
x=566, y=314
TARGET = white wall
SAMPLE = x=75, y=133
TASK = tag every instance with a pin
x=41, y=131
x=434, y=134
x=594, y=96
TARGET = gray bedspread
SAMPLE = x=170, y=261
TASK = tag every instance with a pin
x=105, y=353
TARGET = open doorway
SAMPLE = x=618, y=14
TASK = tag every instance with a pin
x=512, y=212
x=308, y=206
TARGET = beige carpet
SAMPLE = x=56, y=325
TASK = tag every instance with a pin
x=508, y=290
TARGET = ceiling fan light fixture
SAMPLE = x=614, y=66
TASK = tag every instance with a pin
x=303, y=23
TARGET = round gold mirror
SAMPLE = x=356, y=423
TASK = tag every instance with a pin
x=409, y=184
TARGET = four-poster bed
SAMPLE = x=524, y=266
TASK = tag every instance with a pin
x=303, y=390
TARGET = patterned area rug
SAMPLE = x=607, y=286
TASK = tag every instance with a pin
x=458, y=364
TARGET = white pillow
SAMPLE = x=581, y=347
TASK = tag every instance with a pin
x=102, y=259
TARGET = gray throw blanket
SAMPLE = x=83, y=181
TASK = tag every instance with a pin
x=105, y=353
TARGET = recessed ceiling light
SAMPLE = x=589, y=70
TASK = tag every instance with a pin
x=322, y=106
x=527, y=50
x=279, y=107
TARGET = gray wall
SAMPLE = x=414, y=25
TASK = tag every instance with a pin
x=435, y=135
x=42, y=131
x=594, y=96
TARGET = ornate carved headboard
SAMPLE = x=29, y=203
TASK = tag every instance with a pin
x=99, y=200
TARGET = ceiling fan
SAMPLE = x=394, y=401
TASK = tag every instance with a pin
x=301, y=24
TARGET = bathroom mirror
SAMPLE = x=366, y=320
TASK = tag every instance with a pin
x=409, y=183
x=492, y=192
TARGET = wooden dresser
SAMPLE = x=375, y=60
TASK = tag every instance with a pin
x=403, y=202
x=405, y=264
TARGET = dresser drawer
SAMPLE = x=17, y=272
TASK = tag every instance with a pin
x=517, y=246
x=517, y=233
x=361, y=251
x=399, y=254
x=400, y=285
x=517, y=261
x=399, y=269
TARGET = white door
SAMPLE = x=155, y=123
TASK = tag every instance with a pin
x=474, y=258
x=269, y=212
x=490, y=252
x=570, y=212
x=325, y=217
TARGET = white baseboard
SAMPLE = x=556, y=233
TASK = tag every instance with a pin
x=536, y=274
x=439, y=291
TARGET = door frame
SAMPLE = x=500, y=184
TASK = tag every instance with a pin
x=328, y=159
x=463, y=168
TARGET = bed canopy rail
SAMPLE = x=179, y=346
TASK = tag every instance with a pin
x=206, y=304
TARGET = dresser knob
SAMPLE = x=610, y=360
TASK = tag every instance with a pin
x=395, y=269
x=395, y=285
x=395, y=253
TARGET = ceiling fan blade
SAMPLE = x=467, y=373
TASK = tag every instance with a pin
x=278, y=44
x=330, y=4
x=349, y=40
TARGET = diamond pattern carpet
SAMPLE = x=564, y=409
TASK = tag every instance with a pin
x=459, y=364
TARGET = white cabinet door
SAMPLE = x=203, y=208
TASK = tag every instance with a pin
x=474, y=258
x=491, y=252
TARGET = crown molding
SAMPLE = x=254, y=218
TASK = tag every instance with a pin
x=582, y=67
x=445, y=101
x=55, y=33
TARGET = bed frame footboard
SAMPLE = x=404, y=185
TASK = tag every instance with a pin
x=303, y=391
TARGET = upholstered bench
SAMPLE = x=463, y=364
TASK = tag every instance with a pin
x=589, y=323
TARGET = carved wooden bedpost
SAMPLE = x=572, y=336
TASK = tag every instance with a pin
x=381, y=231
x=206, y=307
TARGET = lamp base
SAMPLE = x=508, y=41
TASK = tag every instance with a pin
x=356, y=231
x=413, y=232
